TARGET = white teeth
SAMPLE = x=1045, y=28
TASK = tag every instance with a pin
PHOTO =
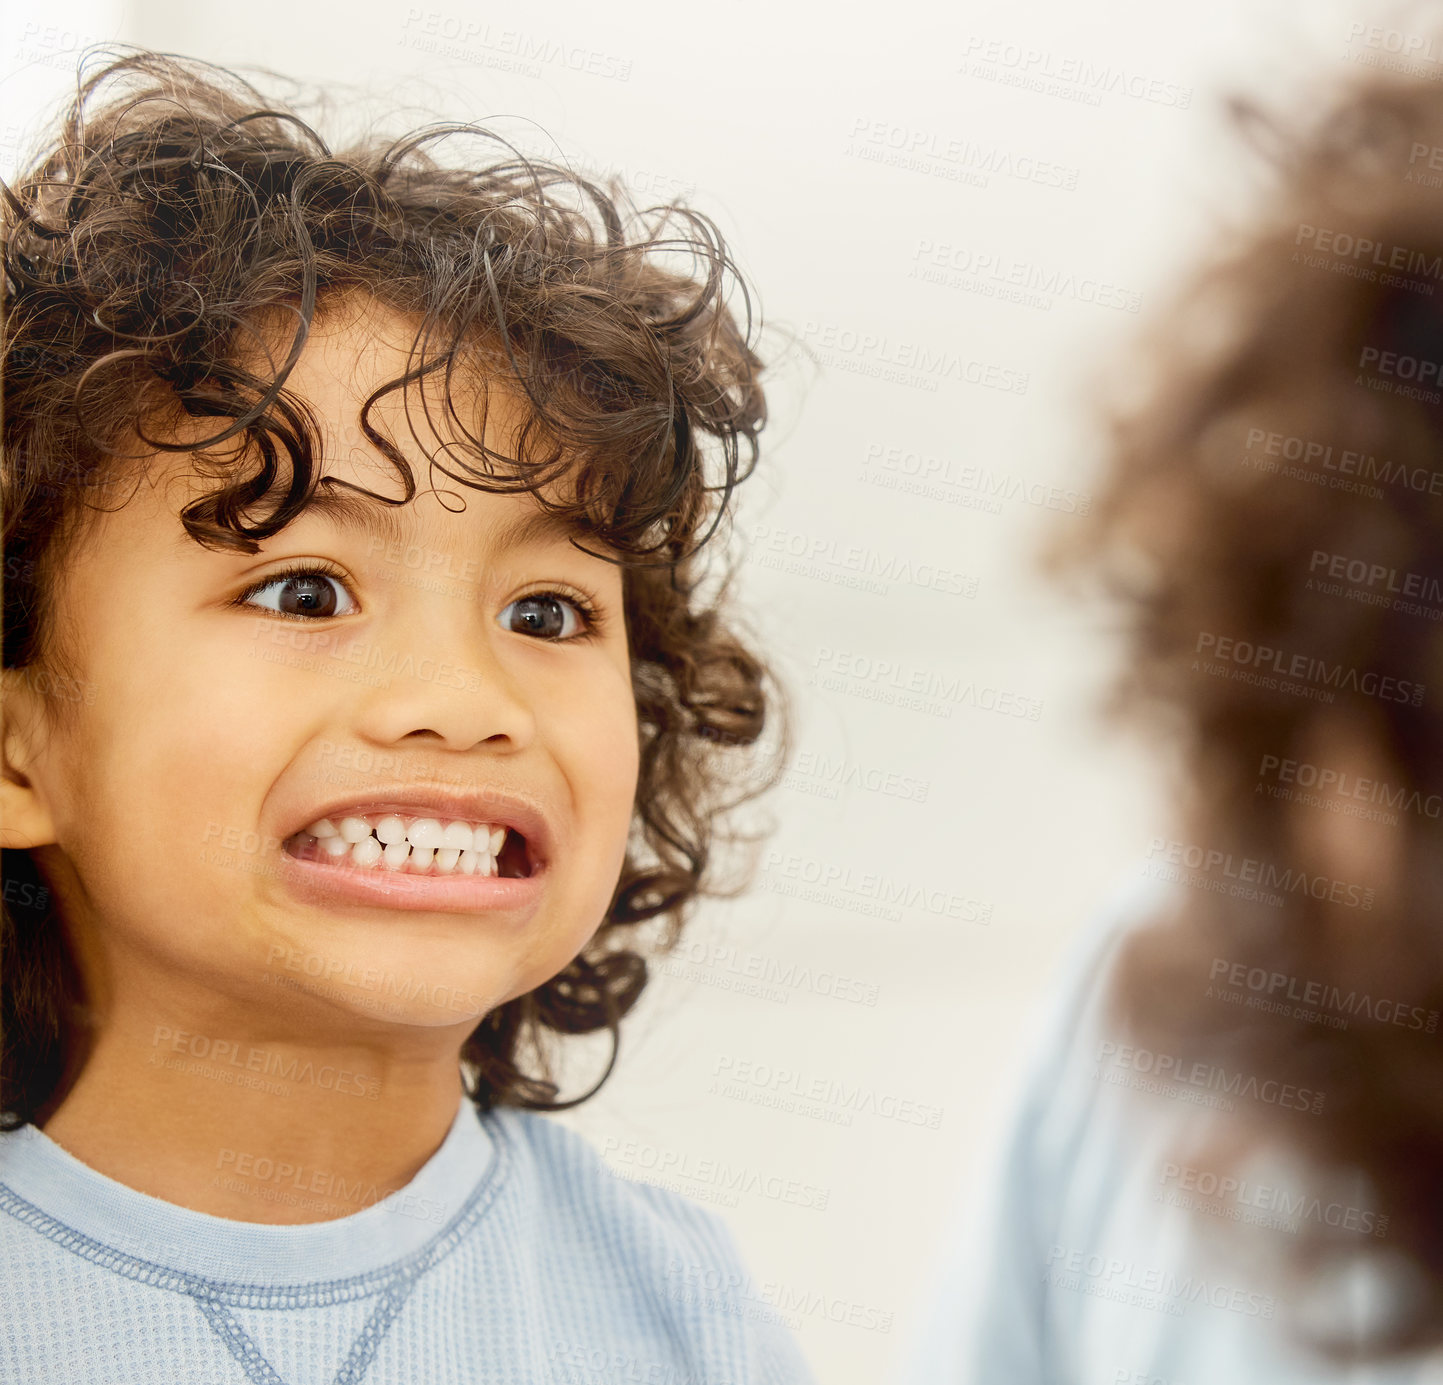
x=390, y=830
x=481, y=863
x=355, y=829
x=428, y=846
x=426, y=832
x=366, y=852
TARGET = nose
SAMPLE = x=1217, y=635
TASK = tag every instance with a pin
x=445, y=677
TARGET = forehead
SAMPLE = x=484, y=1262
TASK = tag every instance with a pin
x=357, y=345
x=511, y=522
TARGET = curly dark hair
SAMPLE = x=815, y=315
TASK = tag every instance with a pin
x=178, y=208
x=1270, y=528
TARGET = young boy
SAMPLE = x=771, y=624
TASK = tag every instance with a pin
x=358, y=703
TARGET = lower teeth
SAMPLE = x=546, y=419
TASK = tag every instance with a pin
x=369, y=854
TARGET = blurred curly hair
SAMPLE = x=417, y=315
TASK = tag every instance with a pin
x=1270, y=527
x=175, y=213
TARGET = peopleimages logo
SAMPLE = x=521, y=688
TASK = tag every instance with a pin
x=998, y=275
x=278, y=1180
x=1108, y=1276
x=1279, y=986
x=853, y=564
x=954, y=157
x=988, y=484
x=1266, y=1204
x=1254, y=871
x=1377, y=254
x=1168, y=1068
x=1071, y=77
x=659, y=1164
x=903, y=362
x=932, y=690
x=1341, y=784
x=1265, y=666
x=248, y=1065
x=1267, y=451
x=815, y=1095
x=1375, y=584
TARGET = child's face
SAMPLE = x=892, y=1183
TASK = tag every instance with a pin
x=212, y=734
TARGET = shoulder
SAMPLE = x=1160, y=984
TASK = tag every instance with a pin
x=1079, y=1028
x=555, y=1163
x=1084, y=1133
x=1060, y=1087
x=671, y=1266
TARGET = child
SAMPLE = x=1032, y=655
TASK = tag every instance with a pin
x=1225, y=1165
x=358, y=704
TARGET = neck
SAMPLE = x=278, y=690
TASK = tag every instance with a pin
x=234, y=1127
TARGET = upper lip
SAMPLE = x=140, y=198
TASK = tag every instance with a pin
x=492, y=806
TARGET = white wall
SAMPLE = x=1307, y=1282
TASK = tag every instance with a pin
x=773, y=112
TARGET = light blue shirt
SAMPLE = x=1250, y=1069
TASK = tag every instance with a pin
x=1103, y=1247
x=513, y=1257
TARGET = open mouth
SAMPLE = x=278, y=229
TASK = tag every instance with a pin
x=394, y=843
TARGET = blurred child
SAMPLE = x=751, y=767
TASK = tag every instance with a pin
x=1227, y=1165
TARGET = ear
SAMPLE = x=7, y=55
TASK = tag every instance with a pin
x=25, y=818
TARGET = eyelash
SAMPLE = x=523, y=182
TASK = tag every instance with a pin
x=595, y=623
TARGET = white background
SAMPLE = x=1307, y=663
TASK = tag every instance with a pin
x=765, y=115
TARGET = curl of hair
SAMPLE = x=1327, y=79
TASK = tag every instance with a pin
x=176, y=215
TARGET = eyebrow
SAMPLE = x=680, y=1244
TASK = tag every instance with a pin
x=375, y=519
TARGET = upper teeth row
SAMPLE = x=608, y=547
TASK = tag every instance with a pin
x=422, y=833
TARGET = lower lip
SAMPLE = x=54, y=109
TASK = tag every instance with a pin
x=320, y=882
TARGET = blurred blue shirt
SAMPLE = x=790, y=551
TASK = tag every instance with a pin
x=1111, y=1244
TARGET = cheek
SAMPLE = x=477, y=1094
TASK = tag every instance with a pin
x=596, y=747
x=177, y=750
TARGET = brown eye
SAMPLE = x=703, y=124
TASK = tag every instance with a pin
x=303, y=594
x=545, y=615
